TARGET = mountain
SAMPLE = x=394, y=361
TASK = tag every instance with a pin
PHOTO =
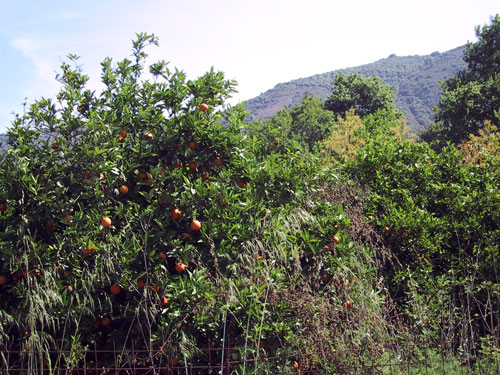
x=415, y=80
x=3, y=141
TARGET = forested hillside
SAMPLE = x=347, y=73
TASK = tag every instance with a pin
x=415, y=80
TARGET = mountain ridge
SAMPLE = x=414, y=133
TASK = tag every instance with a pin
x=415, y=80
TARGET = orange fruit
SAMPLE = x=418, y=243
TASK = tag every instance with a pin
x=195, y=225
x=175, y=214
x=115, y=289
x=143, y=176
x=3, y=280
x=163, y=301
x=55, y=145
x=205, y=176
x=174, y=361
x=123, y=133
x=140, y=283
x=88, y=251
x=218, y=161
x=3, y=207
x=346, y=283
x=204, y=107
x=106, y=222
x=106, y=321
x=69, y=288
x=36, y=272
x=123, y=189
x=405, y=235
x=419, y=259
x=193, y=165
x=348, y=304
x=120, y=139
x=295, y=366
x=325, y=278
x=68, y=218
x=51, y=224
x=428, y=256
x=241, y=184
x=163, y=256
x=386, y=229
x=101, y=175
x=192, y=145
x=185, y=236
x=148, y=136
x=336, y=239
x=154, y=288
x=179, y=267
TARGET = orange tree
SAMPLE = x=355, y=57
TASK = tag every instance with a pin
x=141, y=216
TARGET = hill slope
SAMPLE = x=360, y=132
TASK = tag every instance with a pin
x=415, y=80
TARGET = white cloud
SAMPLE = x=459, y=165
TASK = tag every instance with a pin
x=39, y=54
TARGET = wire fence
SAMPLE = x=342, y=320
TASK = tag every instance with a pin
x=231, y=360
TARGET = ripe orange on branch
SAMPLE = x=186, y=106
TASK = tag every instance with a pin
x=195, y=225
x=115, y=289
x=164, y=301
x=174, y=361
x=180, y=267
x=106, y=222
x=204, y=107
x=3, y=207
x=106, y=321
x=193, y=165
x=175, y=214
x=3, y=280
x=123, y=133
x=123, y=189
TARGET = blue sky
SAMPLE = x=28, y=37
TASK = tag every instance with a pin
x=259, y=43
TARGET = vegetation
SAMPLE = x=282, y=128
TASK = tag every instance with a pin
x=151, y=216
x=472, y=96
x=365, y=95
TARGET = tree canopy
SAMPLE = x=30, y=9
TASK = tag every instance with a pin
x=366, y=95
x=473, y=95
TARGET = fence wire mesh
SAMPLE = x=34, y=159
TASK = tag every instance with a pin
x=231, y=360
